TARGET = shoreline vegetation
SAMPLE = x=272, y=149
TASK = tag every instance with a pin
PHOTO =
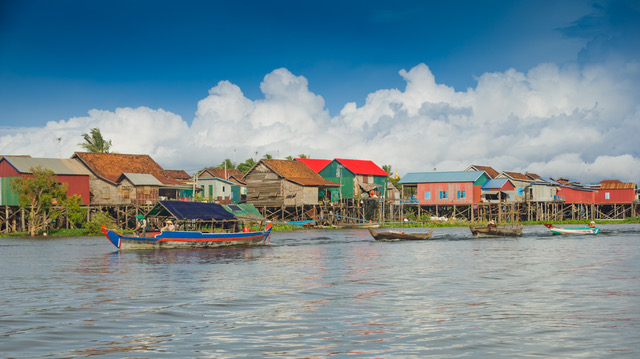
x=84, y=232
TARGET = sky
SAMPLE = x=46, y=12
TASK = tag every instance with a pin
x=549, y=87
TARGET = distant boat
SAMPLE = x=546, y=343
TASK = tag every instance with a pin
x=356, y=225
x=486, y=231
x=184, y=239
x=561, y=230
x=391, y=236
x=305, y=223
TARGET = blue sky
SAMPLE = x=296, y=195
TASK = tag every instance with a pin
x=71, y=56
x=59, y=61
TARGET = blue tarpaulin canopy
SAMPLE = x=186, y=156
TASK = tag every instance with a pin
x=191, y=210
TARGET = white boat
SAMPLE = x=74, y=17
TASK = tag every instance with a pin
x=562, y=230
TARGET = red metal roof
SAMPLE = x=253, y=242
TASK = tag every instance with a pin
x=362, y=167
x=315, y=164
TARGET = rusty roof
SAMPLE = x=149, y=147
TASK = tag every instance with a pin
x=220, y=173
x=489, y=170
x=615, y=184
x=516, y=176
x=110, y=166
x=178, y=174
x=298, y=172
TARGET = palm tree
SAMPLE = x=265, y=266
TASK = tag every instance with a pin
x=229, y=165
x=267, y=156
x=387, y=168
x=94, y=142
x=245, y=166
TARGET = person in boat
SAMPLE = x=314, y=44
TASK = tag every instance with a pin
x=592, y=224
x=168, y=226
x=141, y=226
x=491, y=224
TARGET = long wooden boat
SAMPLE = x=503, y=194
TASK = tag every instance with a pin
x=183, y=239
x=561, y=230
x=486, y=231
x=392, y=236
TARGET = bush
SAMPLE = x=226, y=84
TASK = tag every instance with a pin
x=94, y=226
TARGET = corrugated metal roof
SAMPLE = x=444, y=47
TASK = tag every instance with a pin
x=141, y=179
x=315, y=164
x=57, y=165
x=494, y=184
x=618, y=185
x=362, y=167
x=440, y=177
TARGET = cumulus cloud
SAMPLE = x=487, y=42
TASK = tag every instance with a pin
x=576, y=122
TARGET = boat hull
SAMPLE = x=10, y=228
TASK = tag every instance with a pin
x=394, y=236
x=496, y=231
x=179, y=239
x=560, y=230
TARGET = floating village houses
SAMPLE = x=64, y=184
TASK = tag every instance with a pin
x=66, y=171
x=356, y=177
x=129, y=179
x=446, y=188
x=284, y=183
x=222, y=185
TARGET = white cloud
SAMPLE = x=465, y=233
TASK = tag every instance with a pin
x=575, y=122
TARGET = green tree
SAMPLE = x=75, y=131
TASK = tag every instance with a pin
x=39, y=196
x=302, y=156
x=267, y=156
x=72, y=209
x=94, y=142
x=388, y=169
x=245, y=166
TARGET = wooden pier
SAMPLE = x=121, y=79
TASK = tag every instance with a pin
x=13, y=218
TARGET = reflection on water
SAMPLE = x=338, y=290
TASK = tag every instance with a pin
x=317, y=293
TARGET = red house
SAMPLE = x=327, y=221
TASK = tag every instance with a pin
x=614, y=191
x=571, y=194
x=447, y=188
x=66, y=171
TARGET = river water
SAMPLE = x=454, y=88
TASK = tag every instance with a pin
x=320, y=293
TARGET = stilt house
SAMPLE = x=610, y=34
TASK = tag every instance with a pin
x=277, y=183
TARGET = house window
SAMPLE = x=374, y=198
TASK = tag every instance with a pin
x=210, y=190
x=462, y=194
x=105, y=193
x=427, y=194
x=444, y=194
x=607, y=195
x=520, y=191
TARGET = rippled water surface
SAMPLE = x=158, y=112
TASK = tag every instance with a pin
x=318, y=293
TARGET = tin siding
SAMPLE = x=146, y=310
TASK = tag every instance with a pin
x=76, y=185
x=7, y=170
x=472, y=193
x=626, y=195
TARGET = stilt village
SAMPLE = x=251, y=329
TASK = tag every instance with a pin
x=321, y=192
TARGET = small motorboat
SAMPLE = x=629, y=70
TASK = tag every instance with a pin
x=495, y=231
x=563, y=230
x=392, y=236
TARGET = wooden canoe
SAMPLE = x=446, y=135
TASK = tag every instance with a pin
x=485, y=231
x=399, y=236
